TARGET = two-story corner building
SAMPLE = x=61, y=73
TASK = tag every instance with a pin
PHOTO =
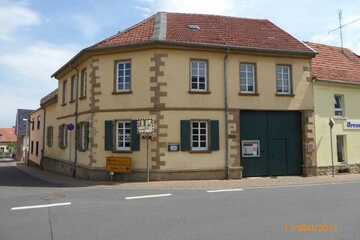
x=40, y=133
x=336, y=74
x=234, y=94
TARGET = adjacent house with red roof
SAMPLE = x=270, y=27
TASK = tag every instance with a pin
x=336, y=76
x=7, y=137
x=229, y=97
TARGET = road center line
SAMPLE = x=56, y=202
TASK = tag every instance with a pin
x=149, y=196
x=41, y=206
x=225, y=190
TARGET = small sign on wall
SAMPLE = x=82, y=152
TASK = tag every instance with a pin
x=352, y=124
x=173, y=147
x=250, y=148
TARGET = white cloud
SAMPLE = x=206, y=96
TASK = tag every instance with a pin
x=15, y=15
x=86, y=25
x=225, y=7
x=36, y=62
x=25, y=76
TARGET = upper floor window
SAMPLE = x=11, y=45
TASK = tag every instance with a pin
x=283, y=79
x=123, y=76
x=247, y=78
x=83, y=83
x=339, y=105
x=199, y=76
x=38, y=122
x=199, y=135
x=73, y=88
x=32, y=124
x=123, y=135
x=64, y=92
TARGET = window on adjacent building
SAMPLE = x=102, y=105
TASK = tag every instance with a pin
x=199, y=135
x=63, y=136
x=339, y=105
x=49, y=136
x=64, y=92
x=32, y=147
x=83, y=83
x=37, y=149
x=340, y=143
x=38, y=122
x=123, y=135
x=199, y=78
x=73, y=88
x=123, y=76
x=283, y=79
x=83, y=136
x=247, y=77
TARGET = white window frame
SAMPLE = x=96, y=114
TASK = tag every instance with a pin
x=127, y=138
x=249, y=68
x=282, y=80
x=73, y=87
x=197, y=81
x=199, y=148
x=341, y=109
x=120, y=79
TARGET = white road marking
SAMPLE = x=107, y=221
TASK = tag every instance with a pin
x=225, y=190
x=149, y=196
x=41, y=206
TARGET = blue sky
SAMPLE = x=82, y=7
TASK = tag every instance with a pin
x=38, y=36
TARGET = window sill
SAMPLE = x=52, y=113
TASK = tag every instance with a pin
x=122, y=92
x=200, y=151
x=82, y=97
x=199, y=92
x=122, y=151
x=285, y=95
x=339, y=118
x=248, y=94
x=72, y=101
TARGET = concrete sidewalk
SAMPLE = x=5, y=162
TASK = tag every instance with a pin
x=58, y=179
x=259, y=182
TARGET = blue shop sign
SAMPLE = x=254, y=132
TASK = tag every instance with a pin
x=352, y=124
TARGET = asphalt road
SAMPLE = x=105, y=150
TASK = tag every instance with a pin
x=110, y=213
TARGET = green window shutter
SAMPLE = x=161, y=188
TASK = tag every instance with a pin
x=78, y=137
x=214, y=135
x=86, y=135
x=185, y=135
x=108, y=135
x=60, y=137
x=135, y=137
x=66, y=135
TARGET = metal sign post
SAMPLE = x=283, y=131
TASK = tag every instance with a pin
x=145, y=127
x=331, y=125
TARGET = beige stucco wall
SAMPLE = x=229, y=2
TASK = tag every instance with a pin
x=177, y=103
x=36, y=135
x=324, y=109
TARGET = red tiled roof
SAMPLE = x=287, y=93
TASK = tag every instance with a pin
x=334, y=64
x=214, y=30
x=7, y=135
x=139, y=33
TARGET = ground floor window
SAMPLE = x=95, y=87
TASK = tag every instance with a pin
x=340, y=144
x=123, y=135
x=199, y=135
x=83, y=136
x=63, y=136
x=32, y=147
x=49, y=136
x=37, y=148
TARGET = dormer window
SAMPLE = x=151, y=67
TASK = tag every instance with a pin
x=194, y=27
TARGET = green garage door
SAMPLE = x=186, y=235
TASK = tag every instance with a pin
x=270, y=143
